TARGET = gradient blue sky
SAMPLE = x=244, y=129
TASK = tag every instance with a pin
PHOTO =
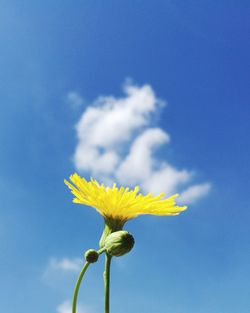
x=195, y=55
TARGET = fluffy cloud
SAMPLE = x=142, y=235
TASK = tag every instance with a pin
x=138, y=165
x=117, y=142
x=107, y=126
x=65, y=307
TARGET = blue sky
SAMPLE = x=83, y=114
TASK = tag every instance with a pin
x=56, y=60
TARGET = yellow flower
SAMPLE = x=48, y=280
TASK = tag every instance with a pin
x=118, y=205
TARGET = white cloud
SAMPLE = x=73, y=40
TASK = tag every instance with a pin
x=167, y=179
x=109, y=124
x=60, y=274
x=117, y=142
x=65, y=265
x=66, y=307
x=193, y=193
x=138, y=165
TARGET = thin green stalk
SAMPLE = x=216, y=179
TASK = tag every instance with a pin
x=78, y=283
x=79, y=280
x=106, y=276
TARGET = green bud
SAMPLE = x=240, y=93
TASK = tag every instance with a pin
x=119, y=243
x=91, y=256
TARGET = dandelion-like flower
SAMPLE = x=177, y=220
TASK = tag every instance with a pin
x=118, y=205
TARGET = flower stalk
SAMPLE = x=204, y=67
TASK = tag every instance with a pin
x=79, y=280
x=78, y=283
x=106, y=277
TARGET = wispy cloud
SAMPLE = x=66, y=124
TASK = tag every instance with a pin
x=60, y=273
x=117, y=142
x=74, y=99
x=194, y=192
x=65, y=264
x=65, y=307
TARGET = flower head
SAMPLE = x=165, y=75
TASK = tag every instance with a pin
x=118, y=205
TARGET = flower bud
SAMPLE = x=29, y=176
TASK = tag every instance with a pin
x=119, y=243
x=91, y=256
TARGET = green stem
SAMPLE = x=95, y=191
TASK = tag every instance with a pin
x=106, y=276
x=78, y=283
x=79, y=280
x=110, y=226
x=106, y=231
